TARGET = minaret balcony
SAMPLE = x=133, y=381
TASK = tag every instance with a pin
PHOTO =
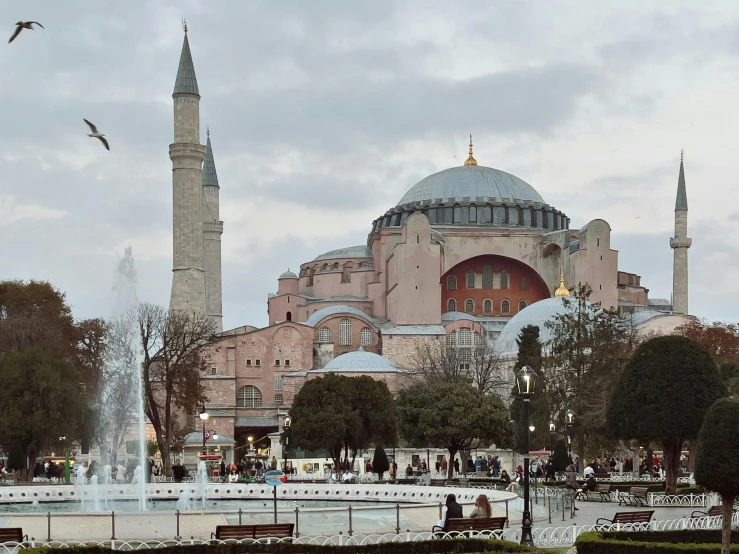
x=676, y=242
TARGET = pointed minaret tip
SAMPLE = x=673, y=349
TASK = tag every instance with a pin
x=562, y=290
x=186, y=82
x=210, y=177
x=471, y=159
x=681, y=202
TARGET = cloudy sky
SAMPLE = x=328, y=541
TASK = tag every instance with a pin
x=322, y=114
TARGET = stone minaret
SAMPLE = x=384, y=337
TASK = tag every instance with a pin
x=212, y=231
x=187, y=154
x=680, y=244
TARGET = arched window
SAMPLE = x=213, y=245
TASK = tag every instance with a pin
x=451, y=283
x=487, y=215
x=523, y=283
x=365, y=337
x=487, y=276
x=345, y=332
x=471, y=279
x=521, y=305
x=505, y=307
x=248, y=397
x=473, y=214
x=451, y=339
x=457, y=213
x=451, y=305
x=465, y=337
x=346, y=276
x=324, y=334
x=487, y=307
x=289, y=316
x=469, y=306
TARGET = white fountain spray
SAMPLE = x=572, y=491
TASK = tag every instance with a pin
x=125, y=313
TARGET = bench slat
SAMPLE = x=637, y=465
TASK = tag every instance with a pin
x=11, y=534
x=476, y=524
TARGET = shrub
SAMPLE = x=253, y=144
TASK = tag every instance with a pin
x=653, y=542
x=457, y=546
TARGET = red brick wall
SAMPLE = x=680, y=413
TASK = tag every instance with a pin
x=536, y=289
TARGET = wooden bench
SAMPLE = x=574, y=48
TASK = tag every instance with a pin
x=12, y=534
x=438, y=482
x=462, y=525
x=256, y=532
x=600, y=489
x=644, y=516
x=712, y=512
x=637, y=495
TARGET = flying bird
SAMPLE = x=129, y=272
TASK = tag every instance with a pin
x=23, y=25
x=96, y=134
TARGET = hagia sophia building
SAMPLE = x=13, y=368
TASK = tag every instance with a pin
x=469, y=255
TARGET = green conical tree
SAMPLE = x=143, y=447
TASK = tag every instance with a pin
x=717, y=456
x=529, y=354
x=560, y=458
x=380, y=463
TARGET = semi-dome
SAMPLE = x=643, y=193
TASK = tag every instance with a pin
x=471, y=181
x=360, y=361
x=287, y=275
x=360, y=251
x=538, y=313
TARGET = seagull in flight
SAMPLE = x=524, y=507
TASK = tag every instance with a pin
x=96, y=134
x=23, y=25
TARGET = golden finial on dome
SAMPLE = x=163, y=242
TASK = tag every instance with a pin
x=562, y=290
x=471, y=160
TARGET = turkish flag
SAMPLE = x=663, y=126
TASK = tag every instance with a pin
x=207, y=435
x=284, y=478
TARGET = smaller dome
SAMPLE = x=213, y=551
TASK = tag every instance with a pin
x=361, y=362
x=287, y=275
x=538, y=313
x=359, y=251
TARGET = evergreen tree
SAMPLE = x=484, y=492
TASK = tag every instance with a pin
x=560, y=458
x=663, y=395
x=380, y=463
x=719, y=450
x=529, y=354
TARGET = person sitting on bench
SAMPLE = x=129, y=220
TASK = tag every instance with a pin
x=453, y=511
x=482, y=507
x=589, y=485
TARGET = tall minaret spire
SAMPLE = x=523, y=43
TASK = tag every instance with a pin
x=212, y=231
x=187, y=154
x=680, y=244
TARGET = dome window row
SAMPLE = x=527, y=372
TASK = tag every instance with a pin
x=496, y=215
x=488, y=281
x=487, y=306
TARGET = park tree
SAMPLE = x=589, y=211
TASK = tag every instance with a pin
x=663, y=396
x=464, y=357
x=717, y=456
x=42, y=401
x=36, y=314
x=589, y=349
x=454, y=416
x=380, y=463
x=342, y=415
x=175, y=357
x=721, y=340
x=529, y=354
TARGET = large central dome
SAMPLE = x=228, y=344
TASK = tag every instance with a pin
x=471, y=181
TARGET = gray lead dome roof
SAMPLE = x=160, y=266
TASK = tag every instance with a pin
x=471, y=181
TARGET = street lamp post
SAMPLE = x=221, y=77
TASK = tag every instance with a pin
x=286, y=426
x=204, y=417
x=569, y=420
x=552, y=436
x=525, y=382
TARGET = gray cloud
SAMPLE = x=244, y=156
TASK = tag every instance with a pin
x=339, y=107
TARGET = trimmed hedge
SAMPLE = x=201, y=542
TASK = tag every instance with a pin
x=653, y=542
x=456, y=546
